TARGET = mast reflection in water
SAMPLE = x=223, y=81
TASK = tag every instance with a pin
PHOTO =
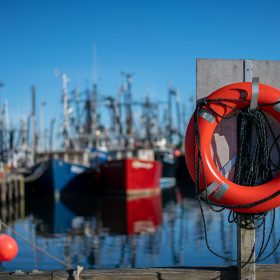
x=112, y=232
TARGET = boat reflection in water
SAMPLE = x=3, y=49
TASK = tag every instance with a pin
x=162, y=230
x=51, y=218
x=87, y=225
x=132, y=215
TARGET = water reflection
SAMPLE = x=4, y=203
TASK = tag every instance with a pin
x=108, y=232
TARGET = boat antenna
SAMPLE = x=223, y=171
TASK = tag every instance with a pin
x=94, y=101
x=42, y=115
x=127, y=89
x=65, y=80
x=33, y=115
x=51, y=135
x=170, y=129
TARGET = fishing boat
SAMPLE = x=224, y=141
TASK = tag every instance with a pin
x=131, y=168
x=136, y=175
x=169, y=160
x=67, y=170
x=55, y=176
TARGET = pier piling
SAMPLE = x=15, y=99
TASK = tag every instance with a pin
x=11, y=188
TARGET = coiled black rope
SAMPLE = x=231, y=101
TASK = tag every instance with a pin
x=253, y=167
x=253, y=163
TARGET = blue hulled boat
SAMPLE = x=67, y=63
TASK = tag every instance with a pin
x=54, y=177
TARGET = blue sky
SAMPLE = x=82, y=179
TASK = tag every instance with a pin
x=159, y=41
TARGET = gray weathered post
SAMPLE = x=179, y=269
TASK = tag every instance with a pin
x=211, y=75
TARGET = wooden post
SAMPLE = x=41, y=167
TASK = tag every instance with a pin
x=3, y=191
x=21, y=186
x=20, y=179
x=245, y=237
x=9, y=187
x=246, y=251
x=16, y=186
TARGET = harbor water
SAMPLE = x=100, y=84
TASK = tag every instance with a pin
x=164, y=230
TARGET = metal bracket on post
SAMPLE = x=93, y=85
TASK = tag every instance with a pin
x=255, y=94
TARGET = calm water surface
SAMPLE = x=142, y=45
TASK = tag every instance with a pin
x=110, y=232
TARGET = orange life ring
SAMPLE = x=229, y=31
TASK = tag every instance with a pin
x=220, y=190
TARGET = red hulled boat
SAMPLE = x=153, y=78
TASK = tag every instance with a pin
x=131, y=176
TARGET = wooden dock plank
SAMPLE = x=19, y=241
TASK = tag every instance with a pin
x=270, y=271
x=264, y=272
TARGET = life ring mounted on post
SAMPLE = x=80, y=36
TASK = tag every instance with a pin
x=220, y=190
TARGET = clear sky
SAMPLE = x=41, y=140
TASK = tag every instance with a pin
x=159, y=41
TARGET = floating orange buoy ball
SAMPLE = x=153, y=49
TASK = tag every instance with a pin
x=8, y=248
x=177, y=153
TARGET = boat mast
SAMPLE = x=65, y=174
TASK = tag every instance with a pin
x=1, y=133
x=76, y=94
x=28, y=131
x=22, y=140
x=179, y=120
x=173, y=92
x=33, y=116
x=94, y=116
x=170, y=130
x=8, y=132
x=65, y=80
x=51, y=135
x=119, y=117
x=155, y=118
x=148, y=121
x=5, y=136
x=42, y=113
x=128, y=107
x=110, y=103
